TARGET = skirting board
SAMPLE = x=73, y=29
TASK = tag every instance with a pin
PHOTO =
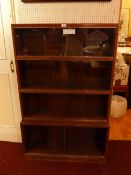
x=9, y=134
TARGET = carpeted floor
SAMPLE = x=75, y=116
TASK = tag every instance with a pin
x=12, y=162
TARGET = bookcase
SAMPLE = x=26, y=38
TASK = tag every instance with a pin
x=65, y=74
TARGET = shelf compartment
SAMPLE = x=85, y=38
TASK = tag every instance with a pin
x=69, y=143
x=64, y=106
x=95, y=41
x=48, y=140
x=88, y=75
x=86, y=141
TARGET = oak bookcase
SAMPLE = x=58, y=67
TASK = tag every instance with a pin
x=65, y=75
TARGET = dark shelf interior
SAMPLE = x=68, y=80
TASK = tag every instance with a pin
x=91, y=75
x=86, y=141
x=64, y=105
x=64, y=140
x=64, y=42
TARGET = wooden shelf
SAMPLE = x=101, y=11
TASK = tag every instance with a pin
x=46, y=120
x=70, y=25
x=65, y=91
x=35, y=155
x=121, y=88
x=64, y=58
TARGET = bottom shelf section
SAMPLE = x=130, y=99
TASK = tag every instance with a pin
x=64, y=143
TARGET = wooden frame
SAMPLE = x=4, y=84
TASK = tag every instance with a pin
x=32, y=1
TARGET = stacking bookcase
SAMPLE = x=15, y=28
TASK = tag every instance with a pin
x=65, y=75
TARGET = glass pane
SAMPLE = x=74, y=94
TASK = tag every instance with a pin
x=65, y=42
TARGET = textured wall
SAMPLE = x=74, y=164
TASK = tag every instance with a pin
x=77, y=12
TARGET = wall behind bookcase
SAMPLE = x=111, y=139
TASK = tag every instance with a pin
x=67, y=12
x=127, y=4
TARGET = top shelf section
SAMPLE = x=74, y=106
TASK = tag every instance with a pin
x=53, y=40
